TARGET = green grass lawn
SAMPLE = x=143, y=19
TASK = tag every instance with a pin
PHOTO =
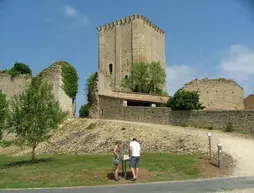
x=86, y=170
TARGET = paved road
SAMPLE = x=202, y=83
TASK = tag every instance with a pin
x=222, y=185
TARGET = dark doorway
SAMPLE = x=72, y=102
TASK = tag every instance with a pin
x=110, y=66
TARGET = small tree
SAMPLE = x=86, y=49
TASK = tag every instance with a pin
x=3, y=112
x=145, y=78
x=185, y=100
x=84, y=110
x=35, y=114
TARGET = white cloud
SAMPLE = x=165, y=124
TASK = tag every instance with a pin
x=177, y=76
x=238, y=63
x=74, y=14
x=70, y=11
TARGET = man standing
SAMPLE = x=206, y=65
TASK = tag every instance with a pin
x=134, y=151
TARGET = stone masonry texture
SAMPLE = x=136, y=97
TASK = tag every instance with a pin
x=124, y=42
x=111, y=108
x=218, y=93
x=13, y=86
x=16, y=85
x=52, y=75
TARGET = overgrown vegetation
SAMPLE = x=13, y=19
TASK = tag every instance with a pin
x=34, y=114
x=90, y=87
x=229, y=127
x=185, y=100
x=146, y=78
x=70, y=170
x=84, y=110
x=3, y=112
x=17, y=69
x=70, y=80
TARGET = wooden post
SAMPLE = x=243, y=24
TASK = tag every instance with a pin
x=219, y=155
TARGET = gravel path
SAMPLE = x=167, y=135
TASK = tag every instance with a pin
x=241, y=149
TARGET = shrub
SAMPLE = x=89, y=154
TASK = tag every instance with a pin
x=185, y=100
x=84, y=110
x=229, y=127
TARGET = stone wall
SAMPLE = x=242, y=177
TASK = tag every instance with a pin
x=218, y=93
x=13, y=86
x=52, y=75
x=123, y=42
x=241, y=119
x=111, y=108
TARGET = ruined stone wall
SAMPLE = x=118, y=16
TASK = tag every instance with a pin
x=218, y=93
x=52, y=75
x=13, y=86
x=111, y=108
x=123, y=42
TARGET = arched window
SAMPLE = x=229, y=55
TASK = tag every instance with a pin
x=110, y=68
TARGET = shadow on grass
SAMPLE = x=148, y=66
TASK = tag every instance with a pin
x=120, y=174
x=27, y=163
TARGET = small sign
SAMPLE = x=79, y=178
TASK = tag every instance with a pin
x=126, y=157
x=209, y=134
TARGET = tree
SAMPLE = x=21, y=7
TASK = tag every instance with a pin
x=145, y=78
x=3, y=112
x=34, y=114
x=185, y=100
x=84, y=110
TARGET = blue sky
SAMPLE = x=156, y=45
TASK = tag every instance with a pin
x=203, y=38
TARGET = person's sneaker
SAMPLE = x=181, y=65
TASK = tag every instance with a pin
x=117, y=179
x=133, y=179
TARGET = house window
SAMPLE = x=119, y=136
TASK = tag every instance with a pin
x=110, y=68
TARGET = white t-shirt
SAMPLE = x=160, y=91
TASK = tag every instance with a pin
x=135, y=148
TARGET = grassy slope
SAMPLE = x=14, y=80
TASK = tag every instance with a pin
x=67, y=170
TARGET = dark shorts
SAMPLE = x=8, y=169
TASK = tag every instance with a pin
x=134, y=162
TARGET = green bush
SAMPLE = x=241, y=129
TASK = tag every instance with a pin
x=185, y=100
x=21, y=68
x=84, y=110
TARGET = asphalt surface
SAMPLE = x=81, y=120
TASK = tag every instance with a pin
x=234, y=184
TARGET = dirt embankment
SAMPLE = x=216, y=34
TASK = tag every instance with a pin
x=82, y=136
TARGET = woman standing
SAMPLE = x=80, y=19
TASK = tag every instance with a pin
x=116, y=161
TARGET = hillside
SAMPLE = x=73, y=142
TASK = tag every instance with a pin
x=98, y=136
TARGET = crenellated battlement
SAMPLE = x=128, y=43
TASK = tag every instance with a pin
x=127, y=20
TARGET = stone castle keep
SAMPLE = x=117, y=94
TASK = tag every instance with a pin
x=133, y=39
x=124, y=42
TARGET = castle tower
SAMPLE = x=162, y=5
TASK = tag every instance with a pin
x=124, y=42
